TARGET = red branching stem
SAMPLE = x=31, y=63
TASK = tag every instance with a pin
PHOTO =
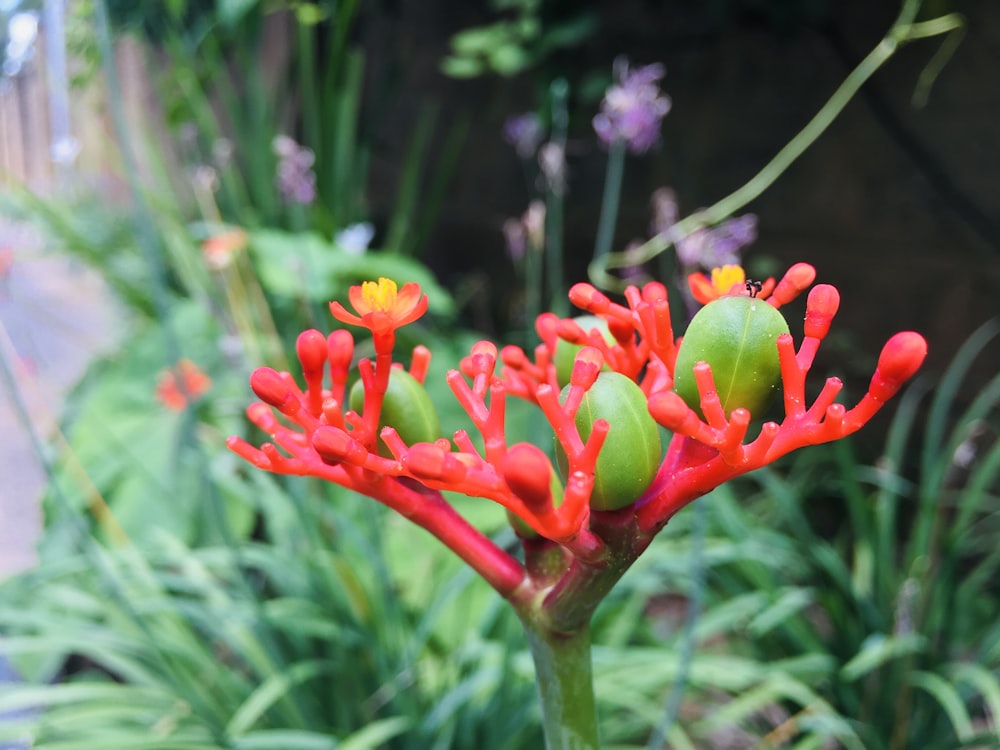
x=579, y=554
x=345, y=461
x=689, y=472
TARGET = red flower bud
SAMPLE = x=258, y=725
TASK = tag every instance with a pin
x=821, y=306
x=312, y=350
x=272, y=389
x=901, y=357
x=528, y=473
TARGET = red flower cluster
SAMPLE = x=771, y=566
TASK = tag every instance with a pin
x=320, y=436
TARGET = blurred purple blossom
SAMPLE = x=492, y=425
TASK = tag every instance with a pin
x=525, y=132
x=633, y=108
x=711, y=247
x=526, y=232
x=295, y=178
x=552, y=163
x=665, y=210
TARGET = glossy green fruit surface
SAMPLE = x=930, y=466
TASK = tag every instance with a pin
x=407, y=408
x=737, y=336
x=631, y=455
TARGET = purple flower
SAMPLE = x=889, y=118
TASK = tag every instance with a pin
x=526, y=232
x=295, y=178
x=665, y=210
x=633, y=108
x=525, y=133
x=721, y=245
x=552, y=163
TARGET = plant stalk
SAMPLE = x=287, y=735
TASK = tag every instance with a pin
x=565, y=686
x=611, y=199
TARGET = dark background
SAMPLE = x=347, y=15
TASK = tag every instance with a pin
x=897, y=206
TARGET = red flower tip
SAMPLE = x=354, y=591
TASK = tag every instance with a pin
x=429, y=461
x=273, y=390
x=795, y=281
x=654, y=291
x=481, y=360
x=340, y=349
x=670, y=410
x=821, y=306
x=513, y=356
x=528, y=473
x=586, y=367
x=546, y=325
x=335, y=446
x=311, y=347
x=262, y=416
x=901, y=357
x=586, y=297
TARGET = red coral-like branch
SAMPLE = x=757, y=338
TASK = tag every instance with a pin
x=705, y=453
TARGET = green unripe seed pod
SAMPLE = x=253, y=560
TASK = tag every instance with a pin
x=407, y=408
x=565, y=354
x=631, y=454
x=737, y=336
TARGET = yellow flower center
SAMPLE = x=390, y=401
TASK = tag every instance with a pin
x=723, y=279
x=380, y=295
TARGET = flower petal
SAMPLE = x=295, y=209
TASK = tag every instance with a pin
x=337, y=310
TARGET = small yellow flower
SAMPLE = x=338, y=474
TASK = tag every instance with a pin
x=725, y=278
x=380, y=307
x=722, y=282
x=379, y=295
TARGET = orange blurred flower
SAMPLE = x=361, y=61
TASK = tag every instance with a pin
x=184, y=384
x=219, y=249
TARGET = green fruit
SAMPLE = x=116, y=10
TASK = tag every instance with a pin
x=565, y=354
x=737, y=336
x=631, y=455
x=406, y=407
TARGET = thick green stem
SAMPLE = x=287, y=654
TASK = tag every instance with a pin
x=565, y=687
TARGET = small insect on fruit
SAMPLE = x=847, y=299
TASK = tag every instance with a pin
x=754, y=287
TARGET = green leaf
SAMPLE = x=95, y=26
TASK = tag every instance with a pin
x=231, y=12
x=286, y=739
x=376, y=733
x=273, y=689
x=948, y=698
x=880, y=649
x=306, y=266
x=789, y=602
x=462, y=67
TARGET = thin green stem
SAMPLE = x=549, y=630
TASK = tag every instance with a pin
x=901, y=32
x=609, y=202
x=559, y=91
x=565, y=687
